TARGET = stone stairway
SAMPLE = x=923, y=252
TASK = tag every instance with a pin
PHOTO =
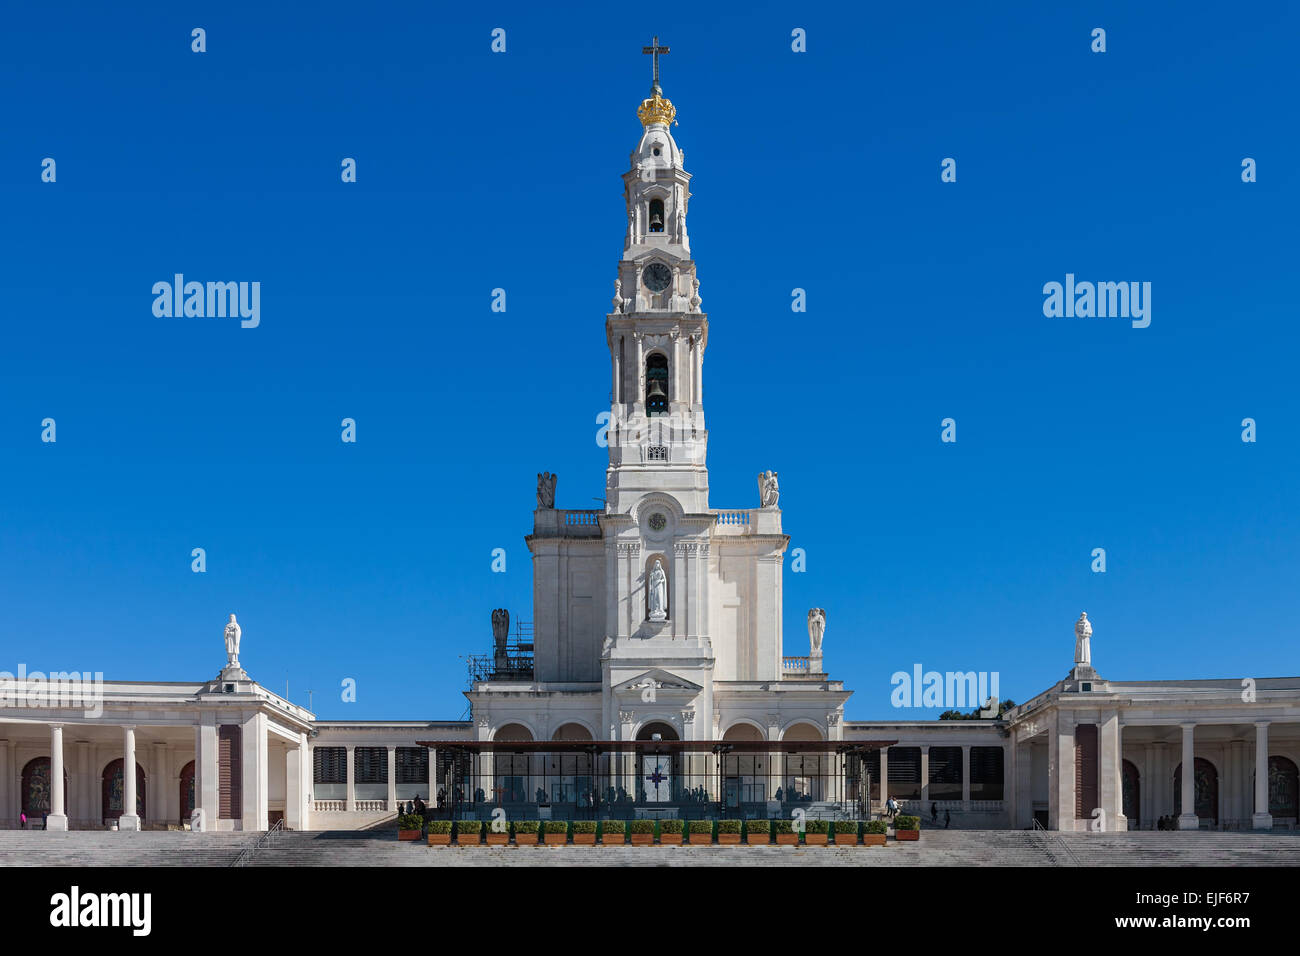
x=1184, y=848
x=109, y=848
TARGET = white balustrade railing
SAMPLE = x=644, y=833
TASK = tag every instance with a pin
x=796, y=665
x=340, y=806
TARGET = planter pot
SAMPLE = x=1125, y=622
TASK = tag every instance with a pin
x=498, y=839
x=468, y=839
x=584, y=839
x=439, y=839
x=643, y=839
x=729, y=839
x=555, y=839
x=815, y=839
x=846, y=839
x=613, y=839
x=408, y=834
x=907, y=834
x=525, y=839
x=787, y=839
x=670, y=839
x=701, y=839
x=873, y=839
x=758, y=839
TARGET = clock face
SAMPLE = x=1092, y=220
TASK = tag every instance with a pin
x=657, y=277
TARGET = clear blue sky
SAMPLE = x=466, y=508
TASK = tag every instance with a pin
x=478, y=170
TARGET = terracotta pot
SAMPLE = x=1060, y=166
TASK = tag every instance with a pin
x=787, y=839
x=701, y=839
x=873, y=839
x=439, y=839
x=498, y=839
x=643, y=839
x=525, y=839
x=408, y=834
x=729, y=839
x=670, y=839
x=846, y=839
x=613, y=839
x=555, y=839
x=907, y=834
x=815, y=839
x=758, y=839
x=584, y=839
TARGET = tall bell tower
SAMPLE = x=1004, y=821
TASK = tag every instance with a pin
x=656, y=331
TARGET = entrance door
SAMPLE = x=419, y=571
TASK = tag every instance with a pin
x=186, y=801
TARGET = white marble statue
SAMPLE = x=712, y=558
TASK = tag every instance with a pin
x=500, y=629
x=1083, y=640
x=769, y=492
x=546, y=490
x=618, y=296
x=816, y=628
x=233, y=633
x=657, y=592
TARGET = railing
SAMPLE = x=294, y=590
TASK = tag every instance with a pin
x=1050, y=840
x=341, y=806
x=734, y=522
x=796, y=665
x=581, y=524
x=264, y=840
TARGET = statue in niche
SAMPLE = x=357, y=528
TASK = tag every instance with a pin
x=816, y=628
x=546, y=490
x=657, y=593
x=1083, y=640
x=769, y=492
x=233, y=633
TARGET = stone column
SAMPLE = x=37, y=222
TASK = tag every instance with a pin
x=392, y=779
x=7, y=813
x=159, y=786
x=254, y=773
x=57, y=818
x=295, y=785
x=129, y=820
x=965, y=773
x=207, y=782
x=432, y=799
x=884, y=776
x=1261, y=819
x=1187, y=819
x=1110, y=775
x=350, y=795
x=925, y=780
x=1060, y=774
x=1024, y=785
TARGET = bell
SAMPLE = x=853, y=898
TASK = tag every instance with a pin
x=657, y=222
x=657, y=390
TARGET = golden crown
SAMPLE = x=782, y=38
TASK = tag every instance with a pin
x=657, y=110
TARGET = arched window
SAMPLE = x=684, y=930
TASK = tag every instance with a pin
x=656, y=215
x=656, y=385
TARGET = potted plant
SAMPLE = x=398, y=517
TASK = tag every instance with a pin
x=498, y=837
x=526, y=832
x=907, y=828
x=846, y=832
x=611, y=833
x=409, y=826
x=874, y=833
x=815, y=832
x=439, y=833
x=643, y=832
x=467, y=832
x=671, y=832
x=785, y=835
x=729, y=832
x=758, y=832
x=556, y=832
x=701, y=832
x=584, y=832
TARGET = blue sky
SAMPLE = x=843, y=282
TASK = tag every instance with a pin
x=816, y=170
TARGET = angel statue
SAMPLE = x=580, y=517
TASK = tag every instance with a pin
x=769, y=491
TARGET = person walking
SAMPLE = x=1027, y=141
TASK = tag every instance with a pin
x=934, y=813
x=947, y=819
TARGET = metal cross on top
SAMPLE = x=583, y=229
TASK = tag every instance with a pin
x=654, y=49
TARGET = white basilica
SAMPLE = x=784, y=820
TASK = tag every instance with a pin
x=655, y=677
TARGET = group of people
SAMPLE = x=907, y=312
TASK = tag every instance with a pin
x=414, y=806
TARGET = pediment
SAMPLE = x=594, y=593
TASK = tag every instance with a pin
x=663, y=682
